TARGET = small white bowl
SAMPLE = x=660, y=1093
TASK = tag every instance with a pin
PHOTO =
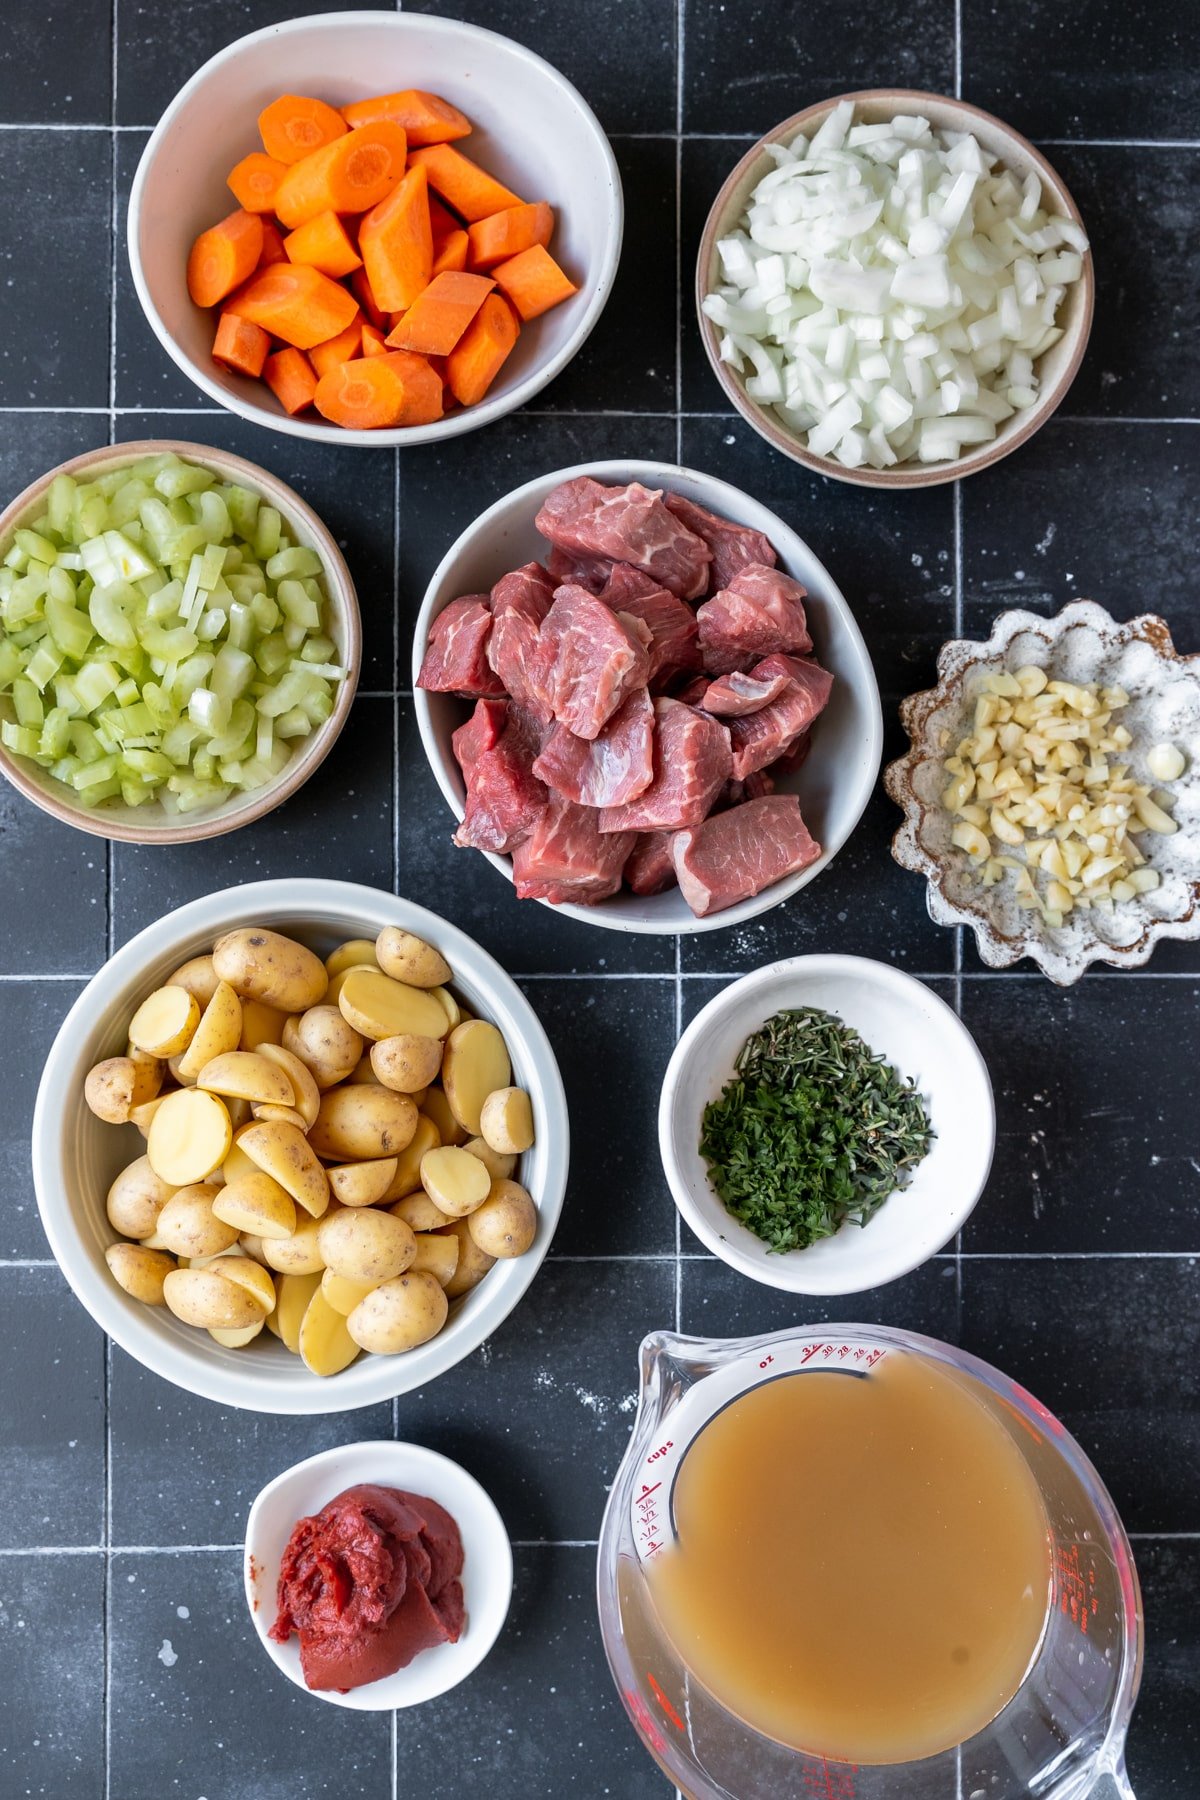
x=76, y=1156
x=921, y=1037
x=487, y=1562
x=532, y=130
x=834, y=783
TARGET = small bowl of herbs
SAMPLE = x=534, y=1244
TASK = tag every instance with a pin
x=826, y=1124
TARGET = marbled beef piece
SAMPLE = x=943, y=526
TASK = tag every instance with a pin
x=760, y=612
x=692, y=763
x=565, y=570
x=625, y=583
x=734, y=695
x=761, y=738
x=627, y=524
x=736, y=854
x=650, y=867
x=590, y=659
x=567, y=859
x=455, y=659
x=505, y=799
x=481, y=732
x=732, y=546
x=609, y=769
x=753, y=788
x=520, y=602
x=674, y=633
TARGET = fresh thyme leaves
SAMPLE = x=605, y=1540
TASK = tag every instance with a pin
x=814, y=1129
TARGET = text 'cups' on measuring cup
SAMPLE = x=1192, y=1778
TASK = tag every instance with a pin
x=1061, y=1736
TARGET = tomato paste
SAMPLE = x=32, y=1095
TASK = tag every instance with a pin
x=368, y=1584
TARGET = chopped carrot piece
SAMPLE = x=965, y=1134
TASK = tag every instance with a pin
x=373, y=342
x=441, y=220
x=505, y=234
x=294, y=126
x=289, y=375
x=427, y=118
x=350, y=175
x=380, y=391
x=466, y=187
x=342, y=348
x=480, y=352
x=223, y=256
x=297, y=304
x=255, y=180
x=534, y=282
x=396, y=244
x=361, y=288
x=437, y=318
x=272, y=250
x=322, y=243
x=449, y=252
x=240, y=345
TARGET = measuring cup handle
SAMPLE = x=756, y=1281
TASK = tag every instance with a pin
x=1113, y=1785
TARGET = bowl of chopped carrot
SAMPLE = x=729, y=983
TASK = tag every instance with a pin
x=375, y=228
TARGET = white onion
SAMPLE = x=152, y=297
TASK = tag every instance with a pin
x=890, y=289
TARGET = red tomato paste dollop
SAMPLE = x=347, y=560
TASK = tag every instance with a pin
x=368, y=1584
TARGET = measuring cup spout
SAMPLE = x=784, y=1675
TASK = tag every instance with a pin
x=1113, y=1783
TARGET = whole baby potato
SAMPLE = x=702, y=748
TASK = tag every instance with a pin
x=406, y=1063
x=473, y=1263
x=419, y=1211
x=359, y=1123
x=408, y=958
x=399, y=1314
x=323, y=1039
x=204, y=1297
x=437, y=1253
x=365, y=1245
x=136, y=1198
x=263, y=965
x=111, y=1090
x=299, y=1254
x=506, y=1223
x=139, y=1271
x=362, y=1183
x=219, y=1031
x=506, y=1121
x=188, y=1226
x=499, y=1164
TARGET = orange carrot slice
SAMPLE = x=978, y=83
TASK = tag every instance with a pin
x=290, y=377
x=466, y=187
x=350, y=175
x=240, y=345
x=255, y=180
x=361, y=288
x=396, y=244
x=380, y=391
x=223, y=256
x=533, y=282
x=342, y=348
x=441, y=220
x=505, y=234
x=297, y=304
x=373, y=342
x=427, y=118
x=323, y=243
x=437, y=319
x=272, y=249
x=294, y=126
x=449, y=252
x=480, y=352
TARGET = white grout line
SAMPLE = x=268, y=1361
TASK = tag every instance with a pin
x=1007, y=976
x=958, y=49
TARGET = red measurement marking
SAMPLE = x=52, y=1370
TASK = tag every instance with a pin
x=766, y=1362
x=661, y=1451
x=830, y=1781
x=1076, y=1585
x=647, y=1491
x=664, y=1702
x=809, y=1351
x=643, y=1719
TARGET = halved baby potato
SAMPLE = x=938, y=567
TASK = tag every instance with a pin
x=378, y=1007
x=165, y=1022
x=362, y=1183
x=244, y=1075
x=285, y=1154
x=190, y=1136
x=258, y=1204
x=455, y=1181
x=219, y=1030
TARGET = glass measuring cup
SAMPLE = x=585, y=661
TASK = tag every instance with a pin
x=1061, y=1737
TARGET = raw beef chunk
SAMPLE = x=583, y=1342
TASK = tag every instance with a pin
x=628, y=524
x=692, y=763
x=734, y=855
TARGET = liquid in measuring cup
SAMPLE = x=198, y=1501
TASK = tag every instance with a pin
x=862, y=1562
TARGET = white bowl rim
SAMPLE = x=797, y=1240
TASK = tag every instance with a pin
x=463, y=419
x=787, y=1272
x=487, y=1535
x=378, y=1377
x=661, y=474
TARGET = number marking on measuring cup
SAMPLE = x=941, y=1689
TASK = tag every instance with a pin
x=664, y=1702
x=828, y=1781
x=1075, y=1585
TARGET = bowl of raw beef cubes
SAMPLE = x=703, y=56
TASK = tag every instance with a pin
x=645, y=700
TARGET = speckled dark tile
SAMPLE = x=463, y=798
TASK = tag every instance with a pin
x=54, y=65
x=545, y=1717
x=542, y=1412
x=30, y=1015
x=52, y=1428
x=144, y=374
x=1095, y=1147
x=745, y=70
x=54, y=311
x=52, y=1747
x=1088, y=70
x=192, y=1690
x=1112, y=1345
x=45, y=857
x=35, y=441
x=1164, y=1747
x=718, y=1302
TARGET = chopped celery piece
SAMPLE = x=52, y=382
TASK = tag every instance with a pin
x=297, y=607
x=319, y=649
x=94, y=682
x=127, y=693
x=289, y=691
x=59, y=504
x=264, y=737
x=22, y=739
x=238, y=735
x=212, y=515
x=328, y=671
x=241, y=626
x=211, y=564
x=294, y=562
x=163, y=607
x=232, y=673
x=210, y=625
x=178, y=741
x=11, y=662
x=266, y=613
x=273, y=655
x=44, y=664
x=267, y=530
x=27, y=702
x=54, y=738
x=35, y=545
x=293, y=723
x=60, y=586
x=113, y=611
x=208, y=710
x=180, y=478
x=172, y=646
x=243, y=509
x=293, y=636
x=318, y=704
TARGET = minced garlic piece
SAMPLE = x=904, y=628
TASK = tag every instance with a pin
x=1037, y=775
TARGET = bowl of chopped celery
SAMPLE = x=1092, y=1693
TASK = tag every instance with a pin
x=179, y=642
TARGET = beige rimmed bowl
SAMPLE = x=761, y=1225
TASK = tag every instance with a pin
x=149, y=824
x=1056, y=370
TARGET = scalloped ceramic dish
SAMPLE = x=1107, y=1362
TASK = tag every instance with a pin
x=1082, y=643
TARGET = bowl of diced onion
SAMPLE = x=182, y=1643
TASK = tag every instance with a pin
x=179, y=642
x=894, y=289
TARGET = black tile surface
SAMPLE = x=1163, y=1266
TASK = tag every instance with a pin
x=52, y=1406
x=51, y=1745
x=1164, y=1748
x=144, y=375
x=717, y=1302
x=54, y=65
x=30, y=1015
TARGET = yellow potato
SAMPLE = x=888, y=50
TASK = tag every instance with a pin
x=364, y=1245
x=322, y=1039
x=379, y=1007
x=475, y=1065
x=437, y=1255
x=293, y=1295
x=349, y=955
x=263, y=965
x=287, y=1115
x=306, y=1093
x=188, y=1226
x=253, y=1278
x=359, y=1123
x=326, y=1346
x=498, y=1164
x=399, y=1314
x=219, y=1030
x=333, y=993
x=342, y=1293
x=298, y=1255
x=362, y=1072
x=204, y=1297
x=109, y=1088
x=237, y=1163
x=199, y=978
x=287, y=1156
x=190, y=1135
x=455, y=1181
x=362, y=1183
x=261, y=1024
x=165, y=1022
x=473, y=1263
x=142, y=1115
x=252, y=1246
x=411, y=959
x=236, y=1340
x=239, y=1110
x=135, y=1200
x=139, y=1271
x=176, y=1071
x=449, y=1005
x=407, y=1179
x=506, y=1223
x=419, y=1211
x=244, y=1075
x=406, y=1063
x=506, y=1121
x=258, y=1205
x=437, y=1107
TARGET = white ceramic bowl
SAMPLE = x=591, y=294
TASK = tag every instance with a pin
x=532, y=129
x=834, y=783
x=921, y=1037
x=75, y=1156
x=487, y=1562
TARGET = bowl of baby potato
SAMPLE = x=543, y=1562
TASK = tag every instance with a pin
x=300, y=1146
